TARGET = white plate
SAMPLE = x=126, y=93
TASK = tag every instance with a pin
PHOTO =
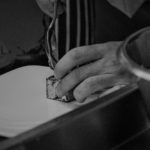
x=23, y=102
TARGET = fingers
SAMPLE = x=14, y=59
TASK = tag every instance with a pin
x=95, y=84
x=81, y=55
x=76, y=76
x=77, y=56
x=93, y=61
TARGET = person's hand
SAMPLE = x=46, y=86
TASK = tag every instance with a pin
x=47, y=6
x=89, y=69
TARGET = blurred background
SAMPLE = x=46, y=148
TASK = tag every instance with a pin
x=20, y=25
x=23, y=26
x=21, y=32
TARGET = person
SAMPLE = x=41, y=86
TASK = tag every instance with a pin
x=98, y=67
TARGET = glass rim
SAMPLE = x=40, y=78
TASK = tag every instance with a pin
x=127, y=62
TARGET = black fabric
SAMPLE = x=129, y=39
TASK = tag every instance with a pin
x=77, y=25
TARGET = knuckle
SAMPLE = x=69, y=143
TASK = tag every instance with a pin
x=94, y=83
x=90, y=82
x=76, y=74
x=75, y=54
x=114, y=45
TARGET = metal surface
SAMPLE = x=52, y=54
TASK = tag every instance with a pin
x=140, y=142
x=102, y=124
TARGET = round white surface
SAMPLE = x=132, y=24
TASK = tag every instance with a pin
x=23, y=102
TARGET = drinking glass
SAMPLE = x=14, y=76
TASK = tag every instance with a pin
x=134, y=55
